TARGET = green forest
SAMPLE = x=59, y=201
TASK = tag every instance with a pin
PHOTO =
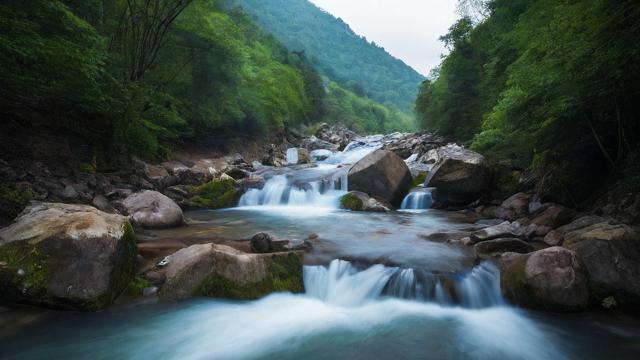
x=338, y=53
x=545, y=85
x=138, y=77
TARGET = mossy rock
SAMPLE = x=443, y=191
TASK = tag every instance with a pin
x=14, y=197
x=216, y=194
x=223, y=272
x=351, y=202
x=551, y=279
x=419, y=179
x=24, y=271
x=43, y=263
x=283, y=275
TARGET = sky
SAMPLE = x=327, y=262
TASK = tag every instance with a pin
x=407, y=29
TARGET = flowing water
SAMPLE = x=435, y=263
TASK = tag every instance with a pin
x=378, y=286
x=417, y=200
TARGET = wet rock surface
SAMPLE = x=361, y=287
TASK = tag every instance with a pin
x=550, y=279
x=382, y=174
x=66, y=257
x=221, y=271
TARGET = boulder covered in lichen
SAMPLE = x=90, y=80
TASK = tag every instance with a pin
x=224, y=272
x=66, y=257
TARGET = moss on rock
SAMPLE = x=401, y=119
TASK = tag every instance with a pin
x=284, y=274
x=351, y=202
x=24, y=269
x=419, y=179
x=216, y=194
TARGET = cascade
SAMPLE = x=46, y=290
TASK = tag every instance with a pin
x=417, y=200
x=324, y=191
x=341, y=283
x=292, y=156
x=281, y=190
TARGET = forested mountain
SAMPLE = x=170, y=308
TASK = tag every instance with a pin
x=548, y=85
x=136, y=78
x=339, y=53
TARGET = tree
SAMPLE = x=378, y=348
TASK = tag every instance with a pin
x=142, y=31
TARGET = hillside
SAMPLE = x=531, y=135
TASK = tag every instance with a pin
x=531, y=87
x=336, y=51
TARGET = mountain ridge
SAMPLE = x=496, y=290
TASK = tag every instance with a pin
x=337, y=51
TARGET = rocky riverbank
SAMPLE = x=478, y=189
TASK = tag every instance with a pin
x=74, y=246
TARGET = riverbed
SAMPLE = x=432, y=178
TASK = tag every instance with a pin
x=377, y=286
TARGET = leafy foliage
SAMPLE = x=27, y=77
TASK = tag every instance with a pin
x=131, y=78
x=549, y=85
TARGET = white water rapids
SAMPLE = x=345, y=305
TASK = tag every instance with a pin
x=345, y=314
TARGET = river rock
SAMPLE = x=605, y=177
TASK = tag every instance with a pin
x=381, y=174
x=609, y=252
x=303, y=156
x=551, y=217
x=66, y=257
x=101, y=203
x=313, y=143
x=261, y=242
x=159, y=176
x=498, y=246
x=152, y=210
x=221, y=271
x=200, y=173
x=514, y=207
x=550, y=279
x=359, y=201
x=337, y=134
x=460, y=175
x=503, y=230
x=556, y=237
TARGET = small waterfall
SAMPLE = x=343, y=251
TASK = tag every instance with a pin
x=417, y=200
x=343, y=284
x=292, y=156
x=281, y=191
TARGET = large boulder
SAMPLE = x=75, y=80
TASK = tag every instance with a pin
x=381, y=174
x=152, y=210
x=221, y=271
x=609, y=252
x=549, y=279
x=66, y=256
x=460, y=175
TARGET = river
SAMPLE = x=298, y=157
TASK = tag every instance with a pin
x=378, y=286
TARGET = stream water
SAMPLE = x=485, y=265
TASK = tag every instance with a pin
x=378, y=286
